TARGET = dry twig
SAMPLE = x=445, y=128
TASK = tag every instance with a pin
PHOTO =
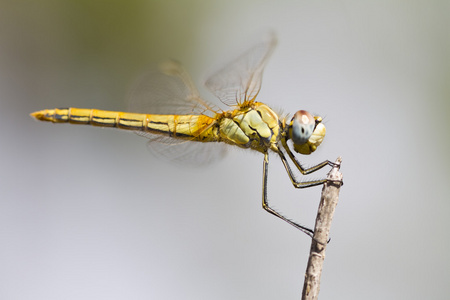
x=328, y=202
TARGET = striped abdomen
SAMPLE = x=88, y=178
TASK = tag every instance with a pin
x=196, y=127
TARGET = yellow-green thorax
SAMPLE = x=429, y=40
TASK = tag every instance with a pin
x=255, y=126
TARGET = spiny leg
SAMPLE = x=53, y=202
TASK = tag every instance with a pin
x=265, y=203
x=304, y=184
x=299, y=166
x=301, y=184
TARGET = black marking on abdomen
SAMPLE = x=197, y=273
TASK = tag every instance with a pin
x=167, y=132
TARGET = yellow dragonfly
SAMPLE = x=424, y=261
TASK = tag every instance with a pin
x=168, y=109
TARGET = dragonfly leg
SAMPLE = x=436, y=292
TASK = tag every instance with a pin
x=301, y=184
x=265, y=203
x=304, y=171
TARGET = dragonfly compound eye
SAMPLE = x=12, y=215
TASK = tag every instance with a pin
x=307, y=132
x=302, y=124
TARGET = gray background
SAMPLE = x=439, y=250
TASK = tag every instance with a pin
x=88, y=213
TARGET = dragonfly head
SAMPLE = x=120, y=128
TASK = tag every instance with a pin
x=306, y=132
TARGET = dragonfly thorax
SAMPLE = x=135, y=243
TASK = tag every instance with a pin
x=255, y=127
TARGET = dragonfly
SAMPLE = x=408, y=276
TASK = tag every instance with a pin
x=166, y=107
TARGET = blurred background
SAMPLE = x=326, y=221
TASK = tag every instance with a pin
x=88, y=213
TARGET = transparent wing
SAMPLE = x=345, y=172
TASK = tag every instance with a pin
x=184, y=152
x=241, y=80
x=168, y=89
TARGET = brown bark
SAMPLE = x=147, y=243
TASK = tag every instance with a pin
x=328, y=202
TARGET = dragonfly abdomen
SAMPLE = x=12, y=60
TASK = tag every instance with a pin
x=94, y=117
x=194, y=127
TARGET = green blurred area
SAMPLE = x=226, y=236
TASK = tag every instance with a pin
x=101, y=29
x=102, y=45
